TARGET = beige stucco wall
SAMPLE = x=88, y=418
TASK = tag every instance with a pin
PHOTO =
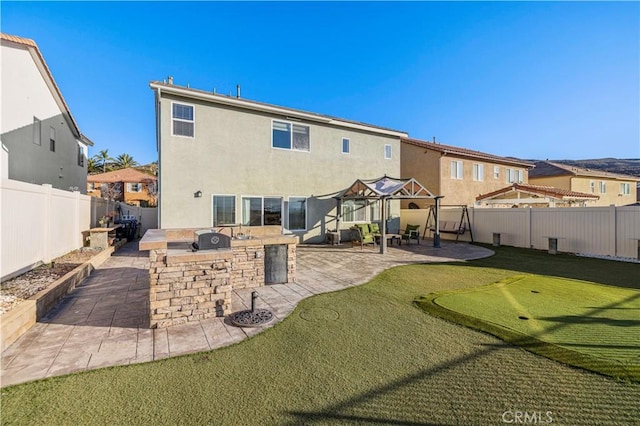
x=433, y=170
x=231, y=154
x=423, y=165
x=612, y=196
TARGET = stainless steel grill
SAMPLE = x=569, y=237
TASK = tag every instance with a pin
x=206, y=239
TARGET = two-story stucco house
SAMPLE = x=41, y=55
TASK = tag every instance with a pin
x=44, y=143
x=458, y=174
x=128, y=185
x=611, y=188
x=228, y=160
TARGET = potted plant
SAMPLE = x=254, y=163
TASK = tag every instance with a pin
x=104, y=221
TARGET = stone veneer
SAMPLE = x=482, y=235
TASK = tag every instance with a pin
x=186, y=286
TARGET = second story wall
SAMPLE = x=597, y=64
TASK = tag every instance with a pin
x=458, y=174
x=232, y=152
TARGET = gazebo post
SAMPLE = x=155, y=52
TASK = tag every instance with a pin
x=436, y=235
x=338, y=211
x=383, y=231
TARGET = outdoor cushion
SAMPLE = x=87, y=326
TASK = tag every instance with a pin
x=364, y=229
x=374, y=228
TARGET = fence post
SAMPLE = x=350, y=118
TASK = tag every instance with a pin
x=76, y=219
x=613, y=249
x=527, y=237
x=46, y=217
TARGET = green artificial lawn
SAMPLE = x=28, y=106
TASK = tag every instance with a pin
x=580, y=323
x=365, y=355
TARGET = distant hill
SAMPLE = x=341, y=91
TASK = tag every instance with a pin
x=629, y=167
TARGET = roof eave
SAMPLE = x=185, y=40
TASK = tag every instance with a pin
x=271, y=109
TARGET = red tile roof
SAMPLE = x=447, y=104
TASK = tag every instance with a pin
x=448, y=149
x=550, y=168
x=547, y=191
x=122, y=175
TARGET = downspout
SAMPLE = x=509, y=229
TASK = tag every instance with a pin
x=158, y=137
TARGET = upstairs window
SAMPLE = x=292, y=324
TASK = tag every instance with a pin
x=514, y=176
x=478, y=172
x=387, y=152
x=52, y=139
x=603, y=187
x=496, y=172
x=80, y=156
x=592, y=186
x=456, y=169
x=289, y=136
x=625, y=189
x=134, y=187
x=36, y=131
x=183, y=121
x=345, y=145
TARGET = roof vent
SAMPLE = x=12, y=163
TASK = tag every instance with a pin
x=170, y=79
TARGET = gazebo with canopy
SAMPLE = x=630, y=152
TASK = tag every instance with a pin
x=385, y=189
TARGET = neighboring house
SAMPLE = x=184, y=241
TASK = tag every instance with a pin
x=227, y=160
x=611, y=188
x=43, y=141
x=458, y=174
x=525, y=195
x=128, y=185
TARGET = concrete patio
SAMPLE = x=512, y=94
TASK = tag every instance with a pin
x=104, y=322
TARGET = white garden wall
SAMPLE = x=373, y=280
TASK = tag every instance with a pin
x=39, y=223
x=607, y=231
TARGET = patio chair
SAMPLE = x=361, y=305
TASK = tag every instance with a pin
x=412, y=232
x=361, y=234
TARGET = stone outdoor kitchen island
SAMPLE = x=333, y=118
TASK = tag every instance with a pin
x=189, y=286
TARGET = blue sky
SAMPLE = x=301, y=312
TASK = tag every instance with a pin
x=528, y=80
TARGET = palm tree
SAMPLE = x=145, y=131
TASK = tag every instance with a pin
x=103, y=159
x=125, y=161
x=92, y=165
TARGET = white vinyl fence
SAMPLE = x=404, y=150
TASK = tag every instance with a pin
x=604, y=231
x=39, y=223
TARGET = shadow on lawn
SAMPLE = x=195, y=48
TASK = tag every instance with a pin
x=447, y=394
x=609, y=272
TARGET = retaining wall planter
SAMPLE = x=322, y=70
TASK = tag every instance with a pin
x=17, y=321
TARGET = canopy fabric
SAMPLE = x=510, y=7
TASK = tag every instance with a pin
x=387, y=188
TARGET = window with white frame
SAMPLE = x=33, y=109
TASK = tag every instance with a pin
x=258, y=211
x=297, y=213
x=37, y=127
x=625, y=189
x=354, y=210
x=291, y=136
x=514, y=176
x=346, y=145
x=592, y=186
x=387, y=152
x=603, y=187
x=496, y=172
x=478, y=172
x=134, y=187
x=456, y=169
x=183, y=119
x=224, y=210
